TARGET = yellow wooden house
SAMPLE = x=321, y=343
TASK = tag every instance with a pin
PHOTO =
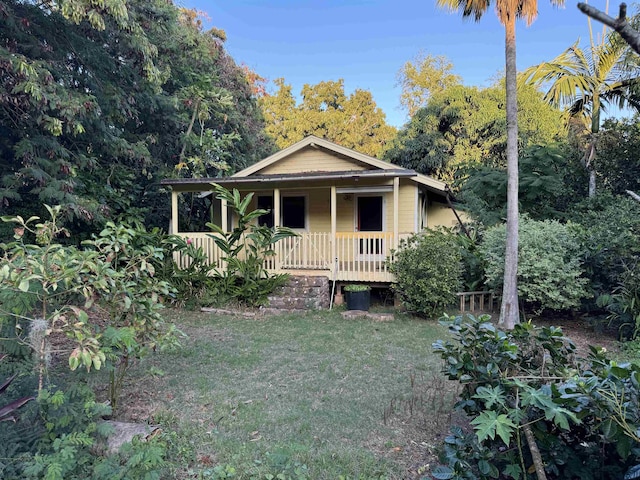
x=350, y=210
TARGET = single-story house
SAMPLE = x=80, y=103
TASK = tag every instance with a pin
x=349, y=209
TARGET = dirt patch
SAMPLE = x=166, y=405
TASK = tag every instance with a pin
x=582, y=333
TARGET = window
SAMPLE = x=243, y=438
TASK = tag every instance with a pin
x=265, y=202
x=293, y=212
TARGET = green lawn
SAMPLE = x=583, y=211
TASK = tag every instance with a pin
x=267, y=395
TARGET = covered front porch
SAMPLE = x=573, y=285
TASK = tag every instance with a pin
x=347, y=227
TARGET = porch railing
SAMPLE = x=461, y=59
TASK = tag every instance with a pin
x=361, y=256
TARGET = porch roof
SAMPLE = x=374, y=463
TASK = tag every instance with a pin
x=291, y=177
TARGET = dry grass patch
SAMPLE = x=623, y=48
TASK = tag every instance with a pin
x=310, y=396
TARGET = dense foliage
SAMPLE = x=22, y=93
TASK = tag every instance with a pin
x=542, y=190
x=428, y=272
x=535, y=409
x=610, y=235
x=102, y=305
x=463, y=126
x=99, y=100
x=105, y=298
x=619, y=162
x=326, y=111
x=550, y=273
x=242, y=275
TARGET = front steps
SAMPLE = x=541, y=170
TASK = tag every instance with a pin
x=302, y=293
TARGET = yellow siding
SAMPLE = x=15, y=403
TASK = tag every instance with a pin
x=439, y=214
x=312, y=160
x=319, y=210
x=407, y=205
x=345, y=206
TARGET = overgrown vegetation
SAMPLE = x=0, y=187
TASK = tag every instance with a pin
x=535, y=408
x=428, y=272
x=105, y=302
x=550, y=274
x=243, y=276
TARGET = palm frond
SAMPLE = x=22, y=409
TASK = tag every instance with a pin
x=469, y=8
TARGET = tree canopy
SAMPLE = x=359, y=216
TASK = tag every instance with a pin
x=353, y=121
x=424, y=77
x=98, y=103
x=586, y=81
x=464, y=126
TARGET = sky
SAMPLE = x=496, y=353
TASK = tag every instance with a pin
x=366, y=42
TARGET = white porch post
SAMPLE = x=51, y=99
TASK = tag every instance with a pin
x=276, y=207
x=334, y=210
x=396, y=201
x=174, y=212
x=223, y=215
x=276, y=223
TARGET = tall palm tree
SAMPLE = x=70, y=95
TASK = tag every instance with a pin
x=508, y=11
x=586, y=82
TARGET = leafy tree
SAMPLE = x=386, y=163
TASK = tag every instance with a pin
x=508, y=11
x=619, y=167
x=353, y=121
x=96, y=105
x=550, y=273
x=542, y=188
x=610, y=236
x=586, y=82
x=464, y=126
x=422, y=78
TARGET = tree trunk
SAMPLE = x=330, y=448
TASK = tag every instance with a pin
x=509, y=315
x=593, y=145
x=592, y=182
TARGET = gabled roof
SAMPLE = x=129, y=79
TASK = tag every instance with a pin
x=313, y=141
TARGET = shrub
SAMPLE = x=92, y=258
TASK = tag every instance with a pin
x=428, y=271
x=610, y=236
x=243, y=276
x=623, y=304
x=550, y=274
x=49, y=287
x=524, y=389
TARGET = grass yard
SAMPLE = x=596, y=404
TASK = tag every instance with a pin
x=307, y=396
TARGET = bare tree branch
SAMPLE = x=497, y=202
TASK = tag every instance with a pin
x=620, y=24
x=634, y=195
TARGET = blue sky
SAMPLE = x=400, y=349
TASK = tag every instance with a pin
x=365, y=42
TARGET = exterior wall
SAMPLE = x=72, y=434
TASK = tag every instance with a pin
x=439, y=214
x=319, y=208
x=312, y=160
x=407, y=205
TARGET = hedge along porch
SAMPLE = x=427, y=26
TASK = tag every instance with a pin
x=350, y=210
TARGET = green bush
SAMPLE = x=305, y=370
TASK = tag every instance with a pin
x=623, y=304
x=610, y=235
x=243, y=276
x=428, y=271
x=550, y=274
x=525, y=386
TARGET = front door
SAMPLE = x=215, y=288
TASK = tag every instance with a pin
x=369, y=218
